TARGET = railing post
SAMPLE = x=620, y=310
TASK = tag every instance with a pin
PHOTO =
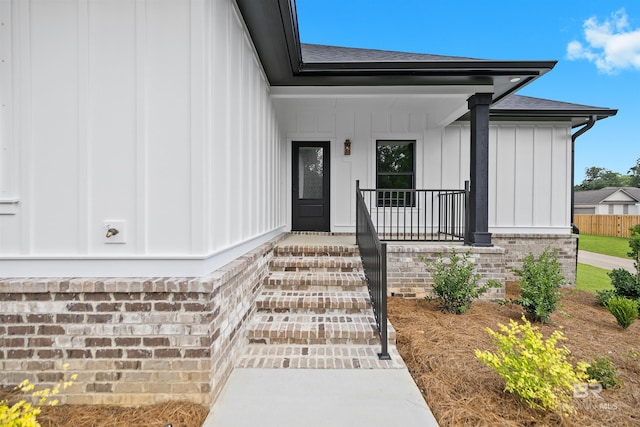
x=467, y=237
x=384, y=353
x=357, y=210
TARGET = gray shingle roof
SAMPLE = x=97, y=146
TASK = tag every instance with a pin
x=315, y=53
x=594, y=197
x=519, y=102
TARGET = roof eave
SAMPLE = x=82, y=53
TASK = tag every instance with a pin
x=273, y=27
x=577, y=116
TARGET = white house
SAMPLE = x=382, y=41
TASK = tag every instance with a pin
x=152, y=152
x=608, y=200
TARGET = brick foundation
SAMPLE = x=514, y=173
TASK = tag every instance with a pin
x=518, y=246
x=408, y=276
x=131, y=341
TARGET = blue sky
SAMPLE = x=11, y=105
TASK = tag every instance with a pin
x=596, y=44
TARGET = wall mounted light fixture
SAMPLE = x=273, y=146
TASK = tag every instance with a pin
x=347, y=147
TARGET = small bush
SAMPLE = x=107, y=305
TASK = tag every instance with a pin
x=540, y=282
x=605, y=372
x=623, y=309
x=634, y=244
x=23, y=413
x=603, y=296
x=455, y=283
x=534, y=368
x=625, y=283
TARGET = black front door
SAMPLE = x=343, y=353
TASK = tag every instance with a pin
x=310, y=186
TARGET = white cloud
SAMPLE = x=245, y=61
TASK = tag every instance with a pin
x=612, y=45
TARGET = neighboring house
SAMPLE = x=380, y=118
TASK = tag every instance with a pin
x=608, y=200
x=199, y=130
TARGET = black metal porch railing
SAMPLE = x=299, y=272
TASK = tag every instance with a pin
x=417, y=215
x=374, y=260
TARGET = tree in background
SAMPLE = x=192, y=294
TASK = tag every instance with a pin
x=597, y=178
x=634, y=172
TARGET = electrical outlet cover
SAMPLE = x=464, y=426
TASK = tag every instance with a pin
x=119, y=225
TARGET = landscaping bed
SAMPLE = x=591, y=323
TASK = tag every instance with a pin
x=438, y=349
x=174, y=413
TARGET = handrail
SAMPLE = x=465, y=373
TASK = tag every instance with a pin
x=417, y=215
x=374, y=260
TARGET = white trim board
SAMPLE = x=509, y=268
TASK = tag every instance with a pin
x=134, y=266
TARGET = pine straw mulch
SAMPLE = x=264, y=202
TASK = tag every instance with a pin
x=176, y=413
x=438, y=349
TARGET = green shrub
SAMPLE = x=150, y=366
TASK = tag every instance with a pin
x=634, y=244
x=605, y=372
x=23, y=413
x=623, y=309
x=625, y=283
x=533, y=368
x=455, y=284
x=603, y=296
x=540, y=282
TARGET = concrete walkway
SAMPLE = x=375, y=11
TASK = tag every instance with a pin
x=605, y=261
x=320, y=397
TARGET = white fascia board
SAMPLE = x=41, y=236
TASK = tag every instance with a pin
x=150, y=266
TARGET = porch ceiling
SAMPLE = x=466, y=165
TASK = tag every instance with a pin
x=440, y=105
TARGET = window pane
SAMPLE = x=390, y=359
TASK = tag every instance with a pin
x=395, y=156
x=310, y=172
x=395, y=181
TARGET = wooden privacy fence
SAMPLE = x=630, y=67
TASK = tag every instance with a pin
x=606, y=225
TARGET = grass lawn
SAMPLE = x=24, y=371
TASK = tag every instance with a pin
x=614, y=246
x=592, y=279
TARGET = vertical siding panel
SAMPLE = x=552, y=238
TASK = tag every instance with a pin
x=11, y=51
x=141, y=226
x=524, y=177
x=505, y=174
x=221, y=117
x=168, y=126
x=327, y=122
x=236, y=176
x=6, y=81
x=432, y=160
x=465, y=156
x=400, y=121
x=494, y=151
x=84, y=152
x=199, y=229
x=364, y=171
x=381, y=122
x=54, y=113
x=451, y=154
x=560, y=177
x=342, y=202
x=112, y=117
x=542, y=189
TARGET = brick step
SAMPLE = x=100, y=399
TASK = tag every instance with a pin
x=318, y=357
x=313, y=302
x=315, y=281
x=316, y=250
x=312, y=329
x=313, y=264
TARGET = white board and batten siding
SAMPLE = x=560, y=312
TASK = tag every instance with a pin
x=155, y=114
x=529, y=165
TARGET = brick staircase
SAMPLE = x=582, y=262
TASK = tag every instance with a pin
x=315, y=312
